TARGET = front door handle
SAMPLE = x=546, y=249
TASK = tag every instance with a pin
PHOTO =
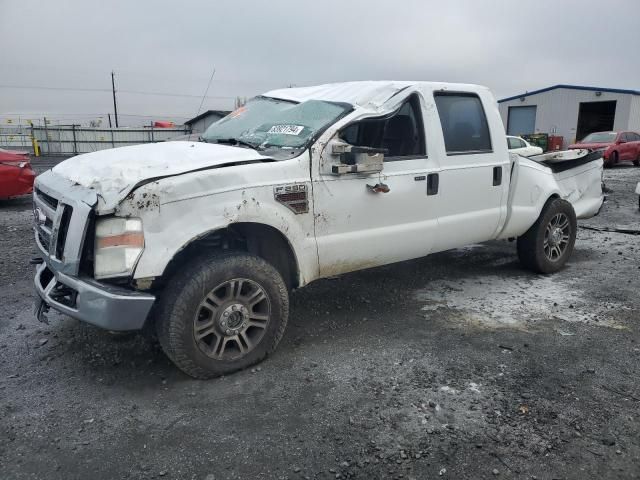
x=379, y=188
x=433, y=182
x=497, y=176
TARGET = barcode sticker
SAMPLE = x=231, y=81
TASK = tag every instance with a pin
x=286, y=129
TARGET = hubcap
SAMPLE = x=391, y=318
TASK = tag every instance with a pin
x=232, y=319
x=556, y=236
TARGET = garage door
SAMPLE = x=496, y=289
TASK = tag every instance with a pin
x=521, y=120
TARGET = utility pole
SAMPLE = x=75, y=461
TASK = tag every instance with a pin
x=113, y=89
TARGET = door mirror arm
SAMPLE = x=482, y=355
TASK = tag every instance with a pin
x=356, y=159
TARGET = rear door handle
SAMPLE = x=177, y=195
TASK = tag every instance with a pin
x=497, y=176
x=433, y=181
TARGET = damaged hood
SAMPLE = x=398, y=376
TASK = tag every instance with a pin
x=114, y=173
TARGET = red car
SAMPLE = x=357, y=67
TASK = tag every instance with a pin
x=16, y=174
x=617, y=146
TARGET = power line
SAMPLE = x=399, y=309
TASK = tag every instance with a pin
x=133, y=92
x=163, y=94
x=29, y=87
x=86, y=115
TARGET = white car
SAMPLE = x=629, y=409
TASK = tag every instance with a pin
x=203, y=241
x=520, y=146
x=638, y=193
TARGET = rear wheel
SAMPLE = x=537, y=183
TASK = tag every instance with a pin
x=222, y=314
x=548, y=244
x=636, y=162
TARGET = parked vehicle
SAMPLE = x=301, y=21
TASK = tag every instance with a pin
x=615, y=146
x=16, y=174
x=204, y=240
x=638, y=193
x=520, y=146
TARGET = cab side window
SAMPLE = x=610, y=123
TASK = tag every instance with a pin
x=401, y=134
x=464, y=123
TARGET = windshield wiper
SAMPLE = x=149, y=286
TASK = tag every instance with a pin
x=237, y=142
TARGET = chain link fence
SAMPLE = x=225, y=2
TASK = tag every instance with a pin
x=73, y=139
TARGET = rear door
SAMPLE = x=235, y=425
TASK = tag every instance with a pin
x=474, y=169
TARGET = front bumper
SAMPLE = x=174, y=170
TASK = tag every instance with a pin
x=105, y=306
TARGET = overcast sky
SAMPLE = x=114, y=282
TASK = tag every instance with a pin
x=172, y=47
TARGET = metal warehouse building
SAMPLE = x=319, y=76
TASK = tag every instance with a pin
x=571, y=111
x=200, y=123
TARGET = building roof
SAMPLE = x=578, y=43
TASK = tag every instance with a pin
x=220, y=113
x=571, y=87
x=362, y=94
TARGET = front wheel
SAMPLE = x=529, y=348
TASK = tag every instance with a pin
x=548, y=244
x=222, y=313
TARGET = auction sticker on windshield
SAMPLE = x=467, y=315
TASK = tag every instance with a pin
x=286, y=129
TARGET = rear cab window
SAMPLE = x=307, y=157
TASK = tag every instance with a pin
x=464, y=123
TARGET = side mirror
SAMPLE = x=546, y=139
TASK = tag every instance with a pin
x=354, y=159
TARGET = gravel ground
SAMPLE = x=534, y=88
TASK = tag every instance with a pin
x=459, y=365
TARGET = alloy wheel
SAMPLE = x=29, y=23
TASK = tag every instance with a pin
x=232, y=319
x=557, y=236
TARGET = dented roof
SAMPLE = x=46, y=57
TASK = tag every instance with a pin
x=368, y=94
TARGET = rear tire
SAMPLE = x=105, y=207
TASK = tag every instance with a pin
x=222, y=313
x=548, y=244
x=636, y=162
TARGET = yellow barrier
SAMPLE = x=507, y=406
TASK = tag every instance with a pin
x=36, y=147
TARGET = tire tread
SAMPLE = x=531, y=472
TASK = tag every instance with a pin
x=530, y=254
x=173, y=307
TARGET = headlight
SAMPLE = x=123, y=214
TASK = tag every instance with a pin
x=119, y=244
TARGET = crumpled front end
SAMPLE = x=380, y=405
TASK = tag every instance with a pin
x=63, y=225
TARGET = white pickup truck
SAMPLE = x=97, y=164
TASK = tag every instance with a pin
x=204, y=240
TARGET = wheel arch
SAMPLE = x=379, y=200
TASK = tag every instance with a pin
x=262, y=240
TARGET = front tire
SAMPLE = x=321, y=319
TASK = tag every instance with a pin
x=548, y=244
x=222, y=313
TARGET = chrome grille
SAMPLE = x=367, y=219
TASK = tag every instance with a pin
x=51, y=220
x=61, y=209
x=48, y=199
x=47, y=215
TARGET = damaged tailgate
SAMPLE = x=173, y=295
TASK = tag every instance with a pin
x=579, y=176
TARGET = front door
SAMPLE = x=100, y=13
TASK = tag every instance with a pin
x=363, y=221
